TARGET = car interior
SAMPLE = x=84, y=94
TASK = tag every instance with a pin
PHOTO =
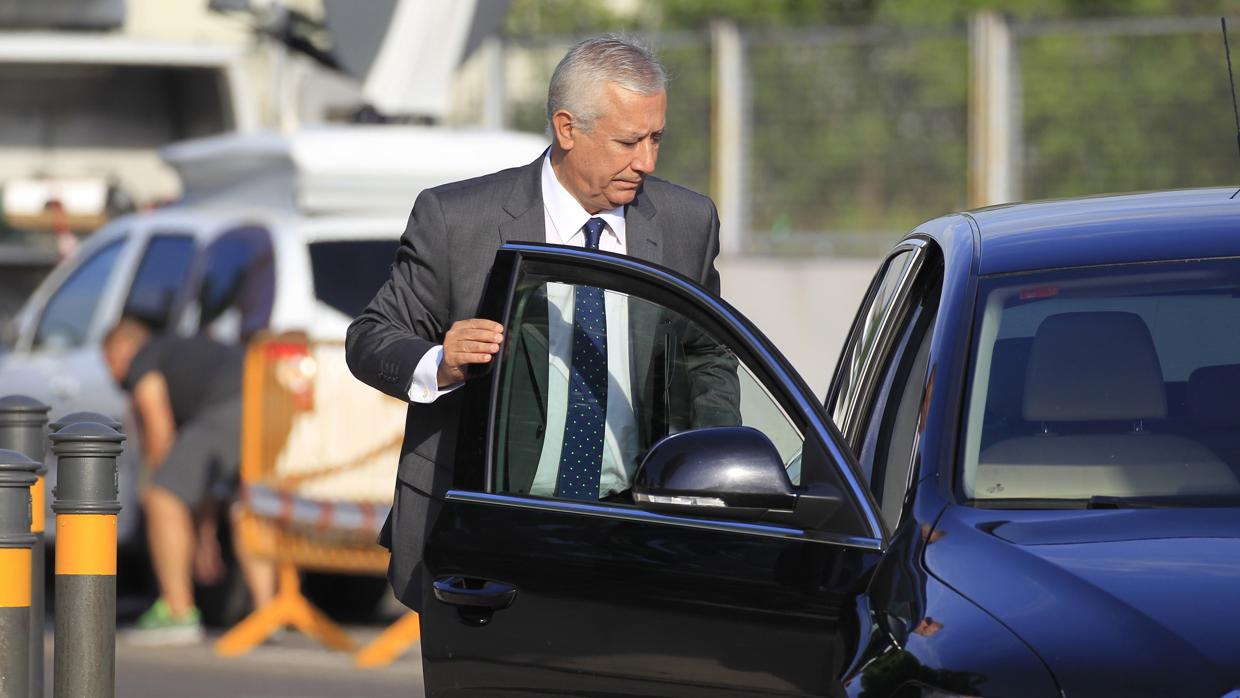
x=1092, y=381
x=1104, y=397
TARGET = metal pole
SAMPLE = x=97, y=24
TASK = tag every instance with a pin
x=729, y=137
x=992, y=120
x=494, y=86
x=23, y=425
x=85, y=503
x=17, y=475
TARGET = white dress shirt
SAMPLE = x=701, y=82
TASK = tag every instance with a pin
x=564, y=220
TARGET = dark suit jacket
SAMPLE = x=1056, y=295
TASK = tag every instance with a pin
x=441, y=268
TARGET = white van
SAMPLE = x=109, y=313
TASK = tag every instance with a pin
x=283, y=232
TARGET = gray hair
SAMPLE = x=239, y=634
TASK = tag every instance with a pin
x=576, y=82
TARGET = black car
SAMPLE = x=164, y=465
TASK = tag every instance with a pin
x=1023, y=481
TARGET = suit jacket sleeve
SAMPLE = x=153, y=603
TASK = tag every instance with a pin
x=713, y=383
x=409, y=314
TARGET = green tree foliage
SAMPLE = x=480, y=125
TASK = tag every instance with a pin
x=857, y=117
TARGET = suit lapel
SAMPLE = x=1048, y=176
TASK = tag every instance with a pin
x=643, y=236
x=525, y=205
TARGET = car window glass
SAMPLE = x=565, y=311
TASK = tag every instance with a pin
x=1117, y=381
x=348, y=273
x=236, y=291
x=887, y=446
x=862, y=344
x=67, y=317
x=159, y=278
x=668, y=376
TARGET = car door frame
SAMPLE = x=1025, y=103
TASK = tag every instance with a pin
x=889, y=326
x=764, y=358
x=473, y=478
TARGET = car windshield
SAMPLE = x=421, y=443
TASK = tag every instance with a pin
x=1108, y=386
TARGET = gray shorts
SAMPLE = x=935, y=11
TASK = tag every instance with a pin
x=206, y=456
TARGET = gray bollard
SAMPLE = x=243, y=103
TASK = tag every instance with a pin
x=75, y=417
x=17, y=475
x=85, y=503
x=23, y=424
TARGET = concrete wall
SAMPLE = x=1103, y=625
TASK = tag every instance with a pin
x=805, y=306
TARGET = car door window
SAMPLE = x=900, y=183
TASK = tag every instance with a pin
x=159, y=278
x=890, y=431
x=671, y=370
x=870, y=339
x=667, y=375
x=67, y=317
x=236, y=286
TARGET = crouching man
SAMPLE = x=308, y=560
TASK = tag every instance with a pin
x=186, y=395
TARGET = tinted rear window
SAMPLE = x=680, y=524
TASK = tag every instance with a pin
x=159, y=278
x=348, y=273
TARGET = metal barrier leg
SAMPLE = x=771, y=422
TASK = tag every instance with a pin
x=84, y=662
x=288, y=607
x=17, y=475
x=392, y=643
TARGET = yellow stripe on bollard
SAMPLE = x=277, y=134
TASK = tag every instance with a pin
x=14, y=577
x=38, y=505
x=86, y=544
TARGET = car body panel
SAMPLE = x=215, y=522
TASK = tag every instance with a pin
x=613, y=606
x=929, y=635
x=1188, y=224
x=1117, y=602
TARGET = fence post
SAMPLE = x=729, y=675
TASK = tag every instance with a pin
x=994, y=128
x=17, y=475
x=23, y=423
x=85, y=503
x=728, y=133
x=494, y=85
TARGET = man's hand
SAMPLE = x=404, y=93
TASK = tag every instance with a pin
x=468, y=342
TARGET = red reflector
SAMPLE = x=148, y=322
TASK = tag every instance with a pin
x=280, y=350
x=1039, y=292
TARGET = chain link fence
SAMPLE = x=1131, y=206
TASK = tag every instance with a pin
x=851, y=137
x=1132, y=105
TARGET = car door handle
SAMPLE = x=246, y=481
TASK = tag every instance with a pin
x=474, y=593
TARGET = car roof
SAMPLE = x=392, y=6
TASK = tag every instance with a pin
x=1185, y=224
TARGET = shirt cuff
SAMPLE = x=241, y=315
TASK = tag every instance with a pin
x=425, y=386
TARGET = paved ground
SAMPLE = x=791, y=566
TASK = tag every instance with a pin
x=290, y=667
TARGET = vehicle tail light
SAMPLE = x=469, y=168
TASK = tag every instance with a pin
x=294, y=370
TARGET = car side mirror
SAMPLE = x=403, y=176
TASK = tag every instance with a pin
x=728, y=472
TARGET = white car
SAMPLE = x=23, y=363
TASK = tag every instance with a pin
x=280, y=232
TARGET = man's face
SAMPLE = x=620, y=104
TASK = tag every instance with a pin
x=604, y=168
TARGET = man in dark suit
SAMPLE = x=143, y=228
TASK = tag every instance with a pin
x=606, y=107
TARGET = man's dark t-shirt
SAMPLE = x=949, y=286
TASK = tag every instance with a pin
x=200, y=372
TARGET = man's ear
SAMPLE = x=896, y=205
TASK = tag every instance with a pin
x=563, y=129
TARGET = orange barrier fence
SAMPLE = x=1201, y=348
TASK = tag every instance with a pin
x=319, y=452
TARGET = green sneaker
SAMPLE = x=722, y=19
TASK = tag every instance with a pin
x=157, y=626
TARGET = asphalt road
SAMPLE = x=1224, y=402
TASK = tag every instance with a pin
x=291, y=666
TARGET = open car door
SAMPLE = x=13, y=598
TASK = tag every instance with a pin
x=731, y=540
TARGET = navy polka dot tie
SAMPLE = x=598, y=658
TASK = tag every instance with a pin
x=581, y=459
